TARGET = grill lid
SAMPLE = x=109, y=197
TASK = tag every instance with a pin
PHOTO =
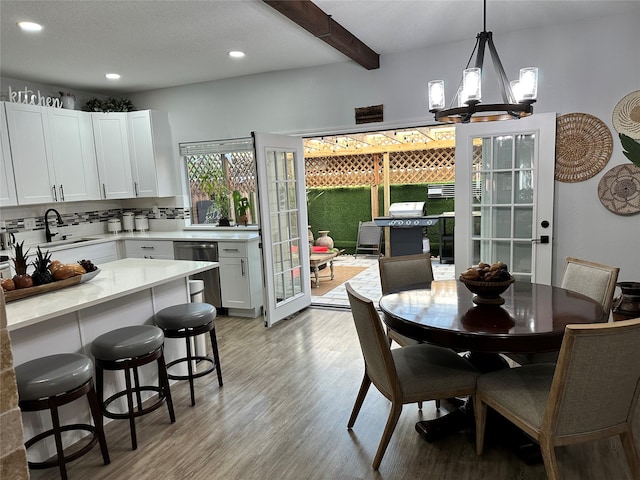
x=406, y=209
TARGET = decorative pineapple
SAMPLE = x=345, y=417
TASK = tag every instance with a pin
x=21, y=279
x=42, y=275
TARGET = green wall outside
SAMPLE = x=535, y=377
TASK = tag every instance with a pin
x=339, y=209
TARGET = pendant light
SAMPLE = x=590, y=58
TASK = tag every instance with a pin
x=517, y=96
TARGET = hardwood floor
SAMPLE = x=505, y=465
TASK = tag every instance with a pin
x=282, y=414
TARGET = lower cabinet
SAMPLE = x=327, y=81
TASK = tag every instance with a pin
x=241, y=278
x=98, y=254
x=162, y=249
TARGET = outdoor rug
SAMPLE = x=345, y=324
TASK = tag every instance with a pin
x=341, y=274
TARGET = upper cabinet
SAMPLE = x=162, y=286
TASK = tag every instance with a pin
x=7, y=182
x=52, y=152
x=112, y=151
x=152, y=165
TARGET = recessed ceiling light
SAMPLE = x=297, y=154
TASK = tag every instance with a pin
x=236, y=54
x=30, y=26
x=112, y=76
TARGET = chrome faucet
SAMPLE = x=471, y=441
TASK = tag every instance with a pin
x=47, y=232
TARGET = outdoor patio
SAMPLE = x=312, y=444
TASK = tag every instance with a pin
x=366, y=282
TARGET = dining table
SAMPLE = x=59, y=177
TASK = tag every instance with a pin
x=532, y=319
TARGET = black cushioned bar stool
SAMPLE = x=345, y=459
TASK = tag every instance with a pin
x=47, y=383
x=187, y=321
x=127, y=349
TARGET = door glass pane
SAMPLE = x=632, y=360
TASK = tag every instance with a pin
x=501, y=251
x=522, y=257
x=502, y=223
x=523, y=220
x=486, y=154
x=525, y=149
x=503, y=188
x=524, y=186
x=503, y=152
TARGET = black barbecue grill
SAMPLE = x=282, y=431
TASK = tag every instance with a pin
x=406, y=221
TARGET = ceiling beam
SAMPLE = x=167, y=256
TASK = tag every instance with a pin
x=310, y=17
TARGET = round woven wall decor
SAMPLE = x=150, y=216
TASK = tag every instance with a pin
x=626, y=115
x=583, y=147
x=619, y=189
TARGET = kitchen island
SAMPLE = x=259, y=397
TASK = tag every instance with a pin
x=125, y=292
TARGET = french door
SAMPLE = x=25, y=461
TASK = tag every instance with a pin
x=283, y=225
x=504, y=195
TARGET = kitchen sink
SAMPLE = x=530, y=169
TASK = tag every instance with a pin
x=69, y=241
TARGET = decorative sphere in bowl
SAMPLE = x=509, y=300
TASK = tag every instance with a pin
x=487, y=292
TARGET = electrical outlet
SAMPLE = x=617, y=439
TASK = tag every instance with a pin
x=29, y=223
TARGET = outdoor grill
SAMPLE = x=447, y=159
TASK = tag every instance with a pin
x=406, y=221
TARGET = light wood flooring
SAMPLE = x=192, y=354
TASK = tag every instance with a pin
x=282, y=414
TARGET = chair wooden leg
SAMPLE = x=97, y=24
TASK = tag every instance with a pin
x=630, y=451
x=480, y=412
x=98, y=421
x=132, y=418
x=364, y=388
x=394, y=415
x=55, y=421
x=420, y=405
x=549, y=458
x=190, y=371
x=216, y=356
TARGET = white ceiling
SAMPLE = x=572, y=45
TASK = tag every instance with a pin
x=157, y=43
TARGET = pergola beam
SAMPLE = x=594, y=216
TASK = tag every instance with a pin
x=313, y=19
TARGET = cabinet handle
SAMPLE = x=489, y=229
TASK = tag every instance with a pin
x=55, y=194
x=229, y=249
x=61, y=193
x=135, y=188
x=148, y=247
x=104, y=191
x=242, y=266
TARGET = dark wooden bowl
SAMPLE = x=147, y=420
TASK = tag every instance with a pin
x=487, y=292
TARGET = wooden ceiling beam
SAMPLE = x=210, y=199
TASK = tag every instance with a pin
x=313, y=19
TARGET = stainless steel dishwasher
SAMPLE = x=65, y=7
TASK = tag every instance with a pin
x=205, y=251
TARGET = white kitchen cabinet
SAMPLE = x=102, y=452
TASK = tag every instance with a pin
x=241, y=278
x=159, y=249
x=112, y=152
x=98, y=254
x=152, y=163
x=52, y=154
x=7, y=182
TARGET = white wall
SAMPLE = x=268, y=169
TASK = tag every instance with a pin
x=585, y=67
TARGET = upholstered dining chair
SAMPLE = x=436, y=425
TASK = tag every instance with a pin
x=595, y=280
x=403, y=375
x=403, y=271
x=592, y=393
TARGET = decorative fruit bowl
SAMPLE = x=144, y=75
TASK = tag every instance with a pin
x=487, y=292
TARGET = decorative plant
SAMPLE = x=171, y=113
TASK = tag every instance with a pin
x=109, y=105
x=631, y=149
x=213, y=183
x=241, y=206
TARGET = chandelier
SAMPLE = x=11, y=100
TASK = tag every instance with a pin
x=518, y=96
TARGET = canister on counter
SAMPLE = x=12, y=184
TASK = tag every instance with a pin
x=128, y=221
x=142, y=223
x=114, y=225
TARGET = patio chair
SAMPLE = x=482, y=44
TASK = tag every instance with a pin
x=369, y=238
x=591, y=394
x=403, y=375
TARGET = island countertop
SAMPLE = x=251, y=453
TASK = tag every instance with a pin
x=116, y=279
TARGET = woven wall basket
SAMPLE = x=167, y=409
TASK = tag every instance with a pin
x=619, y=189
x=583, y=147
x=626, y=115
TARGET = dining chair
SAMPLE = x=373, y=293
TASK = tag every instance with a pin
x=595, y=280
x=591, y=394
x=403, y=375
x=400, y=272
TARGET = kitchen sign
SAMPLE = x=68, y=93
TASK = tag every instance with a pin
x=31, y=97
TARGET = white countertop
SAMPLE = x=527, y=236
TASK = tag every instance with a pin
x=115, y=280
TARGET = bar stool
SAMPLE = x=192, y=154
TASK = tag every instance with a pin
x=49, y=382
x=188, y=320
x=127, y=349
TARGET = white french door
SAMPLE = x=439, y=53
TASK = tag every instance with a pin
x=504, y=195
x=283, y=225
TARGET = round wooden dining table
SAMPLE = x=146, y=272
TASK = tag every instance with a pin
x=532, y=318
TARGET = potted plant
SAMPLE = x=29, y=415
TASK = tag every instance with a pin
x=241, y=206
x=214, y=184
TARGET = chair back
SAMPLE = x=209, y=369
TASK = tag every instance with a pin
x=402, y=271
x=597, y=379
x=379, y=363
x=369, y=237
x=594, y=280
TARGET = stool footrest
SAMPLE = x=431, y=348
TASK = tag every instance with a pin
x=136, y=412
x=67, y=458
x=195, y=374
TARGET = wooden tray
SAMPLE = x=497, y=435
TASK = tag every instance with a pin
x=50, y=287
